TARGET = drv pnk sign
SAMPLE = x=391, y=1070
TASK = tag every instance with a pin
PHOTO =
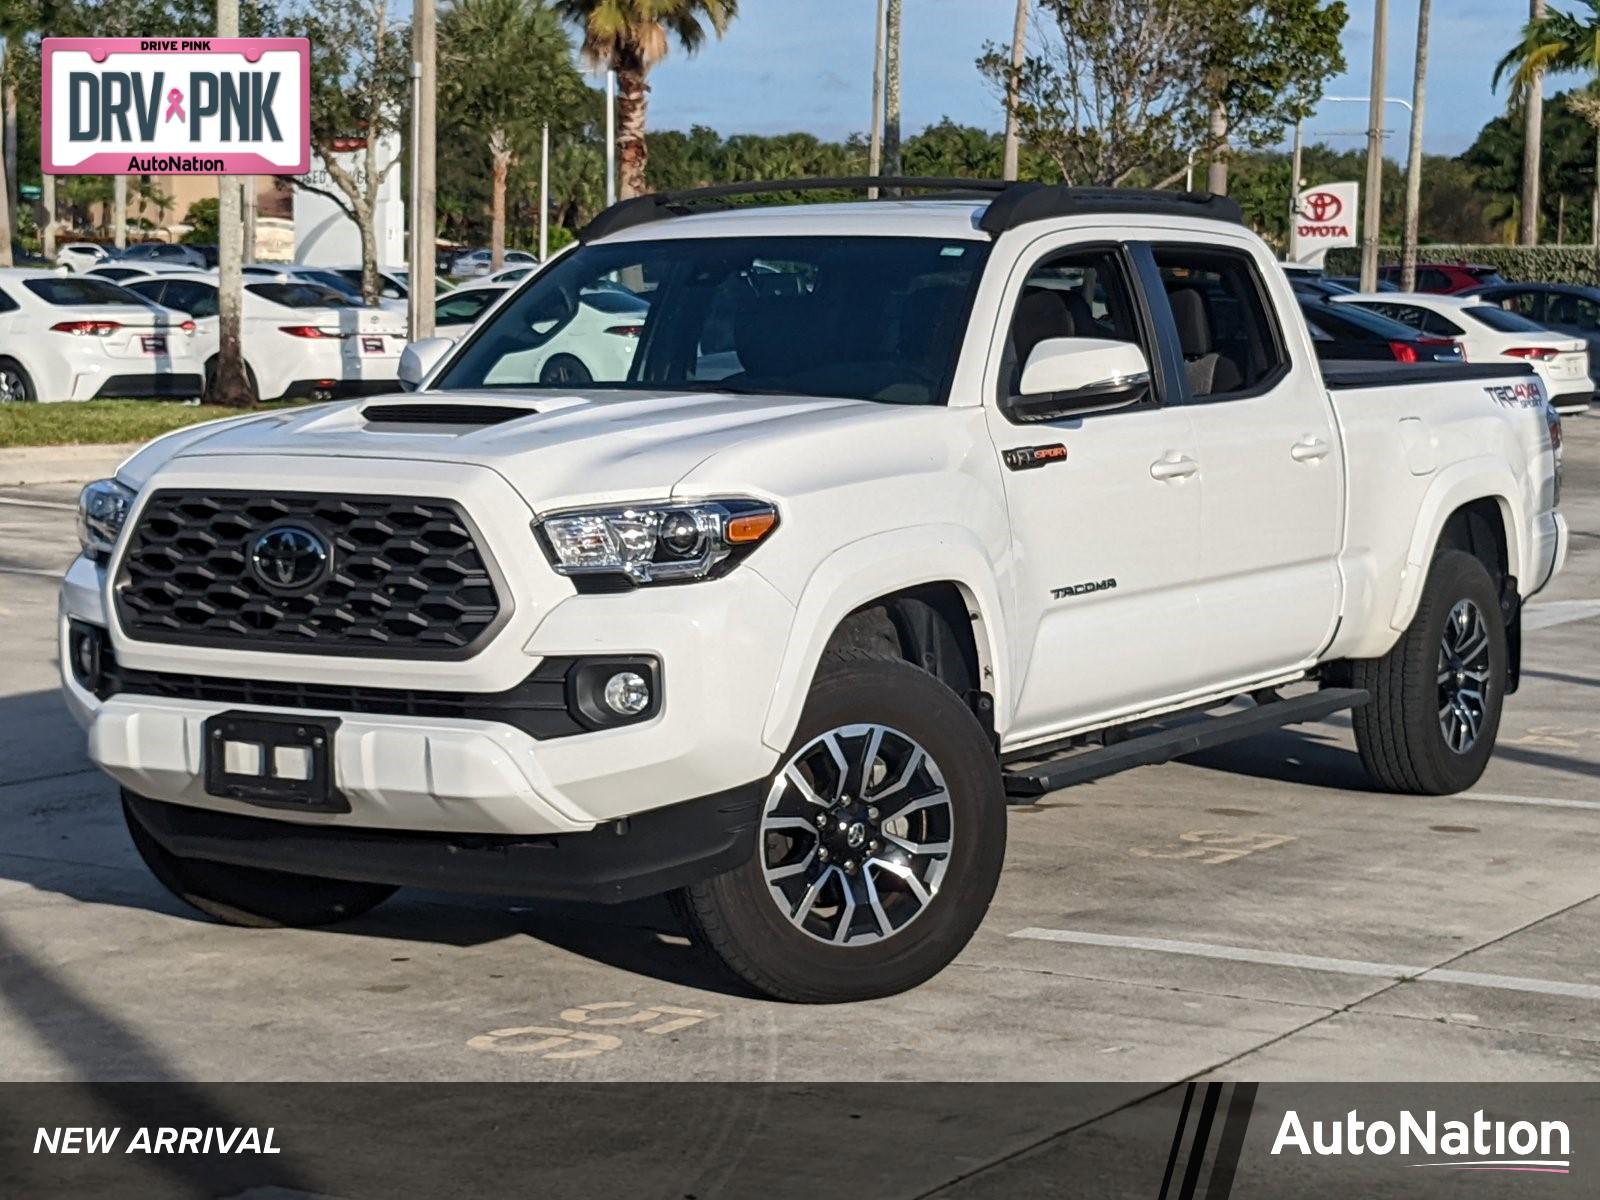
x=176, y=106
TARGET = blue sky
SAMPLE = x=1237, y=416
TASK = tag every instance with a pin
x=806, y=64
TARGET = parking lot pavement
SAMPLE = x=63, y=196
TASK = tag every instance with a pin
x=1253, y=912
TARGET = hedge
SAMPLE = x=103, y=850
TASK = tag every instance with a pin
x=1519, y=264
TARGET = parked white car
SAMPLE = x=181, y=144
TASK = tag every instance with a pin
x=456, y=313
x=80, y=256
x=877, y=525
x=1488, y=333
x=481, y=262
x=596, y=342
x=299, y=340
x=75, y=337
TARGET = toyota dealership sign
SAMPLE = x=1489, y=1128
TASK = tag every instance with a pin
x=176, y=106
x=1325, y=218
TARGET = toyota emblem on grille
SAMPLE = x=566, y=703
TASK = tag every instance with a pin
x=288, y=558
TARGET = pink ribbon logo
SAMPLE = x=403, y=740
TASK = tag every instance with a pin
x=175, y=105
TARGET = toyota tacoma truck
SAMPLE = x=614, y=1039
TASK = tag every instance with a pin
x=759, y=554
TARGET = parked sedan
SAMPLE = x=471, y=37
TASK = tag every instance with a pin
x=299, y=340
x=481, y=262
x=1561, y=307
x=1344, y=334
x=174, y=253
x=456, y=313
x=1490, y=334
x=70, y=337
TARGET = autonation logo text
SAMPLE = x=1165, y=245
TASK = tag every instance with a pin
x=1476, y=1145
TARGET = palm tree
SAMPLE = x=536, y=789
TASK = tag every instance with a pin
x=1552, y=42
x=630, y=37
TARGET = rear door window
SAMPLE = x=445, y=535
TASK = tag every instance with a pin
x=69, y=290
x=1231, y=342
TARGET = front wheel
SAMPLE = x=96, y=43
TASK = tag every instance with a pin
x=1430, y=726
x=253, y=896
x=881, y=842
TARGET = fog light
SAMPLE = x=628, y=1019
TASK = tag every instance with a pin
x=627, y=693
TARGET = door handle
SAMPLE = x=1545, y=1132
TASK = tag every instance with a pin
x=1310, y=450
x=1174, y=466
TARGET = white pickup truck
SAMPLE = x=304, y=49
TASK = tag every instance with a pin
x=885, y=513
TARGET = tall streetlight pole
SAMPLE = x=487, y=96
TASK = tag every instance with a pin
x=1372, y=210
x=1532, y=146
x=611, y=138
x=1419, y=88
x=119, y=211
x=891, y=87
x=1019, y=53
x=424, y=190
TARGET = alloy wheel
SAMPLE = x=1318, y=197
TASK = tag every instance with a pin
x=1463, y=676
x=856, y=834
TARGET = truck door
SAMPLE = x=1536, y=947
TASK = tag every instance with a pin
x=1105, y=508
x=1271, y=468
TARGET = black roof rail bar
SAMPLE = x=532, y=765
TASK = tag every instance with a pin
x=1026, y=202
x=657, y=206
x=1013, y=204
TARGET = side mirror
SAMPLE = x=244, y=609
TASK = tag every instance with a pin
x=419, y=358
x=1066, y=377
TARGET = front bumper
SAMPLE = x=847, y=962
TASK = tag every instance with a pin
x=655, y=852
x=719, y=645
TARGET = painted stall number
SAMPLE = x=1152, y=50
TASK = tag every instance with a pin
x=1213, y=847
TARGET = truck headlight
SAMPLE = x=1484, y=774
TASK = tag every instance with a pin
x=655, y=542
x=102, y=508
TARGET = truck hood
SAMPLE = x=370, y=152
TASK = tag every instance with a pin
x=552, y=447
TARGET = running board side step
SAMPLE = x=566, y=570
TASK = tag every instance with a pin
x=1164, y=744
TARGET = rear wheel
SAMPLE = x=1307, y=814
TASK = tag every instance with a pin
x=16, y=387
x=253, y=896
x=565, y=370
x=881, y=841
x=1430, y=726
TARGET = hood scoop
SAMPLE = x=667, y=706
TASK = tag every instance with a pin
x=457, y=414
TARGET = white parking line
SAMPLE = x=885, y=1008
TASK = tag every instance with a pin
x=1551, y=613
x=1311, y=962
x=1537, y=801
x=72, y=508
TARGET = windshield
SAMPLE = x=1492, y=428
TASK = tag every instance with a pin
x=861, y=318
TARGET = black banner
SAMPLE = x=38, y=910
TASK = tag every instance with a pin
x=1201, y=1141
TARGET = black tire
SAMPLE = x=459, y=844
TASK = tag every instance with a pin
x=1399, y=732
x=738, y=919
x=253, y=896
x=16, y=385
x=565, y=370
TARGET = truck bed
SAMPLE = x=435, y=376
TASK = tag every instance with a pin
x=1347, y=376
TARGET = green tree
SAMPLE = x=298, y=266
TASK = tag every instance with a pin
x=507, y=69
x=360, y=92
x=201, y=218
x=630, y=37
x=1557, y=42
x=1261, y=65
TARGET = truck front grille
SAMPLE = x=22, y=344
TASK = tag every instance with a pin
x=401, y=577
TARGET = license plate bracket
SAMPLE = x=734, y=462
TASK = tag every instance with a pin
x=275, y=762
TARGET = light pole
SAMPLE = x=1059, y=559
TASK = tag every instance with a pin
x=1532, y=145
x=611, y=137
x=229, y=385
x=544, y=193
x=1372, y=211
x=424, y=184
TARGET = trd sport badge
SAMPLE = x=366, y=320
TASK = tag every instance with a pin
x=1026, y=458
